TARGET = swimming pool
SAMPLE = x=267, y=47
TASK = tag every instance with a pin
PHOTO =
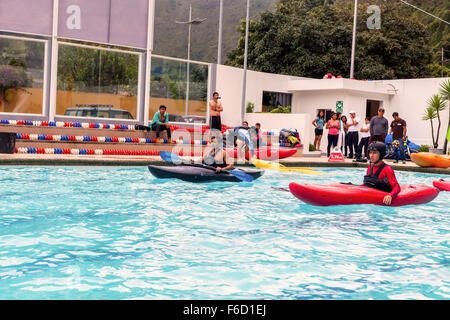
x=119, y=233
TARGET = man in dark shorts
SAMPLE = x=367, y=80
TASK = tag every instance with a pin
x=398, y=130
x=215, y=108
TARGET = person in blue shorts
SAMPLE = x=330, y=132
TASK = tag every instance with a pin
x=318, y=124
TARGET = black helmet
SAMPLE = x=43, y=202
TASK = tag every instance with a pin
x=380, y=147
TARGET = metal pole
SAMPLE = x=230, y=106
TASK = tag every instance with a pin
x=189, y=58
x=219, y=49
x=244, y=84
x=355, y=21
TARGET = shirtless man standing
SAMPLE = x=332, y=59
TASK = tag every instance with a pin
x=216, y=108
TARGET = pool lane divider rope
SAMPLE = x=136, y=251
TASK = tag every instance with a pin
x=43, y=137
x=99, y=152
x=87, y=125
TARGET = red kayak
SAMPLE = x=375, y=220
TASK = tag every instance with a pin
x=265, y=153
x=344, y=194
x=442, y=185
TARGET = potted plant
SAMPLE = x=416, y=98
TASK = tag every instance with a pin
x=250, y=107
x=435, y=104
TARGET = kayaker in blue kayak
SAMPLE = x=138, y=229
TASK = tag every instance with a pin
x=379, y=175
x=215, y=156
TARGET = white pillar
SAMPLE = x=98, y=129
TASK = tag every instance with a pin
x=53, y=63
x=244, y=82
x=355, y=22
x=219, y=45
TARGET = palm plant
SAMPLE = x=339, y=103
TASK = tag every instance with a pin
x=435, y=104
x=445, y=93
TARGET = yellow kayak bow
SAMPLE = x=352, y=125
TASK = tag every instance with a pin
x=261, y=164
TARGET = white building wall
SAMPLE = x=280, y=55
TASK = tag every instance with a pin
x=229, y=85
x=411, y=101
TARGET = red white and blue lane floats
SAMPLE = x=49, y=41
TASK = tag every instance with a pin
x=344, y=194
x=100, y=152
x=60, y=124
x=43, y=137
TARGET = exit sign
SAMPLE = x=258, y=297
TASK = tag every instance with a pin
x=339, y=106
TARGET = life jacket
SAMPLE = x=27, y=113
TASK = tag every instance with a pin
x=210, y=159
x=372, y=180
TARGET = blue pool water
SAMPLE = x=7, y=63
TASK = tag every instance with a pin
x=119, y=233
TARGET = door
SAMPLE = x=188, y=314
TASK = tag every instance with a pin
x=372, y=108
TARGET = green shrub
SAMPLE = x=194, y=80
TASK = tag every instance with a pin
x=311, y=147
x=424, y=148
x=250, y=107
x=281, y=109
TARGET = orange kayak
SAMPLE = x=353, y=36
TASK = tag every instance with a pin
x=427, y=159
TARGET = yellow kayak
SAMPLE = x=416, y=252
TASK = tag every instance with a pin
x=261, y=164
x=426, y=159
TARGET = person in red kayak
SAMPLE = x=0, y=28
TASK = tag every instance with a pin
x=379, y=175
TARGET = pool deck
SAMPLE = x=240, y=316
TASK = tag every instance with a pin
x=96, y=160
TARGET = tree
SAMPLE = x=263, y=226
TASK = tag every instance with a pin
x=312, y=38
x=16, y=58
x=89, y=70
x=435, y=104
x=445, y=93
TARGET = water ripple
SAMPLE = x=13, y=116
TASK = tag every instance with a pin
x=118, y=233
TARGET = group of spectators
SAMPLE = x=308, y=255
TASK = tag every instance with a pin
x=354, y=136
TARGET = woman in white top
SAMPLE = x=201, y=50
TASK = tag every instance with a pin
x=342, y=140
x=365, y=137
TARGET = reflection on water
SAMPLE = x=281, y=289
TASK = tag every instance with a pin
x=118, y=233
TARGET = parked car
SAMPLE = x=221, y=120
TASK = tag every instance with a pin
x=195, y=119
x=188, y=119
x=176, y=118
x=97, y=111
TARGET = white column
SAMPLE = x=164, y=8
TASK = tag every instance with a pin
x=244, y=81
x=355, y=22
x=53, y=63
x=189, y=59
x=219, y=45
x=148, y=60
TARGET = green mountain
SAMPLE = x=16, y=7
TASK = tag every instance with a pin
x=171, y=38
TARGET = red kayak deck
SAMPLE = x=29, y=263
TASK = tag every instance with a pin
x=265, y=153
x=342, y=194
x=442, y=185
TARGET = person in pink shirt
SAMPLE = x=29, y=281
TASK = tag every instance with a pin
x=379, y=175
x=333, y=126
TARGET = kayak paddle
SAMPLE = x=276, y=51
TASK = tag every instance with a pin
x=172, y=157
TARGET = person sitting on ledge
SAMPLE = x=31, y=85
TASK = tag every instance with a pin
x=160, y=122
x=379, y=175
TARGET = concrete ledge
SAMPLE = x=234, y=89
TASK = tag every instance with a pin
x=111, y=160
x=313, y=154
x=396, y=167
